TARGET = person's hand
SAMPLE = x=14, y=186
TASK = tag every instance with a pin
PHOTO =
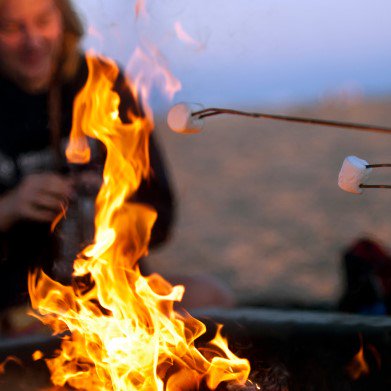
x=39, y=197
x=90, y=181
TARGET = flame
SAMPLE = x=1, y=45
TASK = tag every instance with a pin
x=358, y=366
x=150, y=66
x=58, y=218
x=186, y=38
x=37, y=355
x=93, y=32
x=376, y=355
x=122, y=332
x=9, y=359
x=140, y=8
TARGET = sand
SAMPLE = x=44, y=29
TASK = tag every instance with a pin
x=259, y=205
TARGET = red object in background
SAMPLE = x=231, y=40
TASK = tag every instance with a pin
x=367, y=266
x=377, y=256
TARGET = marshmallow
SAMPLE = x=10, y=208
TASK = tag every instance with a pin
x=180, y=120
x=353, y=173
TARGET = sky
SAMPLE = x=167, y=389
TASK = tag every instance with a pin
x=254, y=52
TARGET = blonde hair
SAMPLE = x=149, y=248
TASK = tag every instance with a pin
x=73, y=32
x=67, y=68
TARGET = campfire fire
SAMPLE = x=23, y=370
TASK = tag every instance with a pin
x=358, y=366
x=123, y=332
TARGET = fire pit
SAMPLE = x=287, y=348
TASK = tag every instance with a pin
x=288, y=350
x=123, y=331
x=306, y=350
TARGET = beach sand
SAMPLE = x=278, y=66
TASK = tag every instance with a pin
x=259, y=205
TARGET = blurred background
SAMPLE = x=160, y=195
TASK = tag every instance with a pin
x=259, y=205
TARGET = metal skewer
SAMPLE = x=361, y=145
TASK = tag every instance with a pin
x=376, y=186
x=377, y=165
x=185, y=118
x=313, y=121
x=347, y=125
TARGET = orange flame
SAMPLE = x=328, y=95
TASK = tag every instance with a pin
x=123, y=333
x=9, y=359
x=37, y=355
x=358, y=366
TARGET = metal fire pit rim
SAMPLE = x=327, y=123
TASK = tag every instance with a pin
x=23, y=347
x=296, y=319
x=253, y=321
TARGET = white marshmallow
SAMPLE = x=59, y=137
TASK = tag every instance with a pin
x=180, y=120
x=353, y=173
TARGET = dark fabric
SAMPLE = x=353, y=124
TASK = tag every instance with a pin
x=367, y=271
x=25, y=149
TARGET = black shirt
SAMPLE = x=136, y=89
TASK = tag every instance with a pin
x=25, y=148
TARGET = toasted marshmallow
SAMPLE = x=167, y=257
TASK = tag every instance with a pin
x=354, y=172
x=181, y=120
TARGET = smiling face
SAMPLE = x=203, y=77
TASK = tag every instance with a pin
x=31, y=33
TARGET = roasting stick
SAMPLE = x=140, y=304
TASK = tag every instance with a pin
x=377, y=165
x=355, y=173
x=376, y=186
x=311, y=121
x=188, y=118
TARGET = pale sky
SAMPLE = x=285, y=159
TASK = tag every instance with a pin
x=256, y=52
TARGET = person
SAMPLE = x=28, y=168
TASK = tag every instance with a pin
x=366, y=264
x=41, y=71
